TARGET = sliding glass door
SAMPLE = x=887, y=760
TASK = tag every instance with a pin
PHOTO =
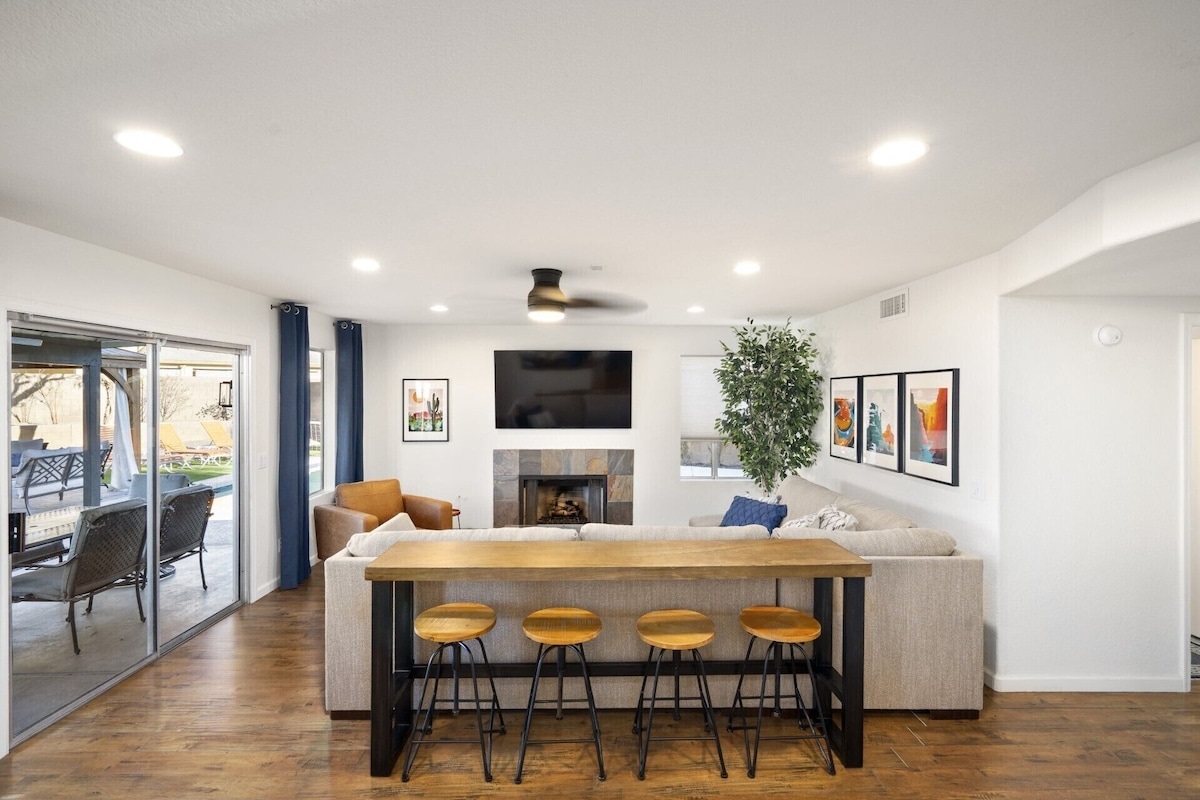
x=108, y=431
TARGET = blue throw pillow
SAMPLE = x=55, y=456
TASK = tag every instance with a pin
x=745, y=511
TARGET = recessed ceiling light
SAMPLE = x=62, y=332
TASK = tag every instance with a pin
x=898, y=152
x=439, y=308
x=747, y=267
x=148, y=143
x=365, y=264
x=695, y=309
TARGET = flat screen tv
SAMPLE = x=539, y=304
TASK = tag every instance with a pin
x=564, y=388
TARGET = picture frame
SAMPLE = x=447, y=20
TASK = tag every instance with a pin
x=883, y=421
x=426, y=410
x=931, y=425
x=844, y=423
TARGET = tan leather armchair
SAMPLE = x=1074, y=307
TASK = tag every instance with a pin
x=363, y=506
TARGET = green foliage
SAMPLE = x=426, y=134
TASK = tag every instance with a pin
x=772, y=394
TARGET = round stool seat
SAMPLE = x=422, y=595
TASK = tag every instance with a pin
x=778, y=624
x=561, y=626
x=676, y=629
x=454, y=622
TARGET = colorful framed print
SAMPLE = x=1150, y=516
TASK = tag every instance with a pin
x=426, y=410
x=844, y=440
x=883, y=421
x=931, y=425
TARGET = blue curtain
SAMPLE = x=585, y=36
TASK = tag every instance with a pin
x=349, y=466
x=294, y=566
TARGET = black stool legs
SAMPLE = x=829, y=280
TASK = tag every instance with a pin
x=804, y=719
x=710, y=724
x=424, y=715
x=560, y=649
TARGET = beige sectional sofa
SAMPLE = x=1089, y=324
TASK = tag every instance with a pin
x=924, y=616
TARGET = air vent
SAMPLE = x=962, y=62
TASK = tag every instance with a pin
x=894, y=306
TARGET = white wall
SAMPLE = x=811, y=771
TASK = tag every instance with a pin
x=46, y=274
x=460, y=470
x=952, y=322
x=1194, y=477
x=1094, y=506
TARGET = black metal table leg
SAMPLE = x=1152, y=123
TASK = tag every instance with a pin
x=391, y=672
x=853, y=632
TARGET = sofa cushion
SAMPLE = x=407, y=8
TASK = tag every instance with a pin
x=602, y=532
x=805, y=497
x=400, y=522
x=872, y=518
x=829, y=518
x=375, y=542
x=745, y=511
x=892, y=542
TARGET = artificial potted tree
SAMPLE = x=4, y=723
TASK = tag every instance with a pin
x=772, y=394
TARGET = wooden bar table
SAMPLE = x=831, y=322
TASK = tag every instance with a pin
x=393, y=573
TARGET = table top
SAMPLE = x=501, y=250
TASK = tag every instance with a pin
x=450, y=560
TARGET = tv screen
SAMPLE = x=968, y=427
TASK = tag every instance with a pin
x=564, y=388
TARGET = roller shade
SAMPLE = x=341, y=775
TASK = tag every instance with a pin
x=699, y=397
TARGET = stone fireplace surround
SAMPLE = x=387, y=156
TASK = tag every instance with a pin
x=508, y=466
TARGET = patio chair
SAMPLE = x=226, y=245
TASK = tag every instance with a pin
x=106, y=552
x=222, y=441
x=175, y=451
x=185, y=514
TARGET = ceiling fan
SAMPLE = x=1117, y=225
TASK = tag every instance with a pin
x=548, y=303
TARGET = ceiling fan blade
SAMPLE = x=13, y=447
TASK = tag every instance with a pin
x=608, y=302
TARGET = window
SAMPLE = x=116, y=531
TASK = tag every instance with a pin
x=703, y=453
x=316, y=406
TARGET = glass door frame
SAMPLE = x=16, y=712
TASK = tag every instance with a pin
x=154, y=648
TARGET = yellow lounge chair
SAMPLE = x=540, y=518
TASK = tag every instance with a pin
x=222, y=441
x=175, y=451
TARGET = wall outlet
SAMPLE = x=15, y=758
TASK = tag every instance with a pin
x=977, y=491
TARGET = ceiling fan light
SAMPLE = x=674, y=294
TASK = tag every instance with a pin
x=546, y=312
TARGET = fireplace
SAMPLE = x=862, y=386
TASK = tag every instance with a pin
x=569, y=500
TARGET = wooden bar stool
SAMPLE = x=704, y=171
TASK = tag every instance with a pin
x=780, y=626
x=453, y=626
x=674, y=630
x=559, y=630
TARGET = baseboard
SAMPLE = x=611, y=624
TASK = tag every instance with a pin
x=349, y=714
x=1069, y=684
x=953, y=713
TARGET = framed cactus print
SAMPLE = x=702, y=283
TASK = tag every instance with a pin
x=426, y=410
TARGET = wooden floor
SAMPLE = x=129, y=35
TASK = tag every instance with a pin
x=238, y=713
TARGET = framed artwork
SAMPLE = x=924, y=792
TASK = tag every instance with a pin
x=883, y=422
x=844, y=441
x=426, y=409
x=931, y=425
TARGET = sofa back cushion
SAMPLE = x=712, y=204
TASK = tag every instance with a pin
x=602, y=532
x=375, y=542
x=805, y=497
x=872, y=518
x=382, y=499
x=893, y=542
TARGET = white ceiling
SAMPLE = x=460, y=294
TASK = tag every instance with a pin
x=463, y=143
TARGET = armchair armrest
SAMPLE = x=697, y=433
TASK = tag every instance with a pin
x=335, y=525
x=429, y=513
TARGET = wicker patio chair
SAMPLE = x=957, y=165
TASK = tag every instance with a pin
x=106, y=552
x=185, y=514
